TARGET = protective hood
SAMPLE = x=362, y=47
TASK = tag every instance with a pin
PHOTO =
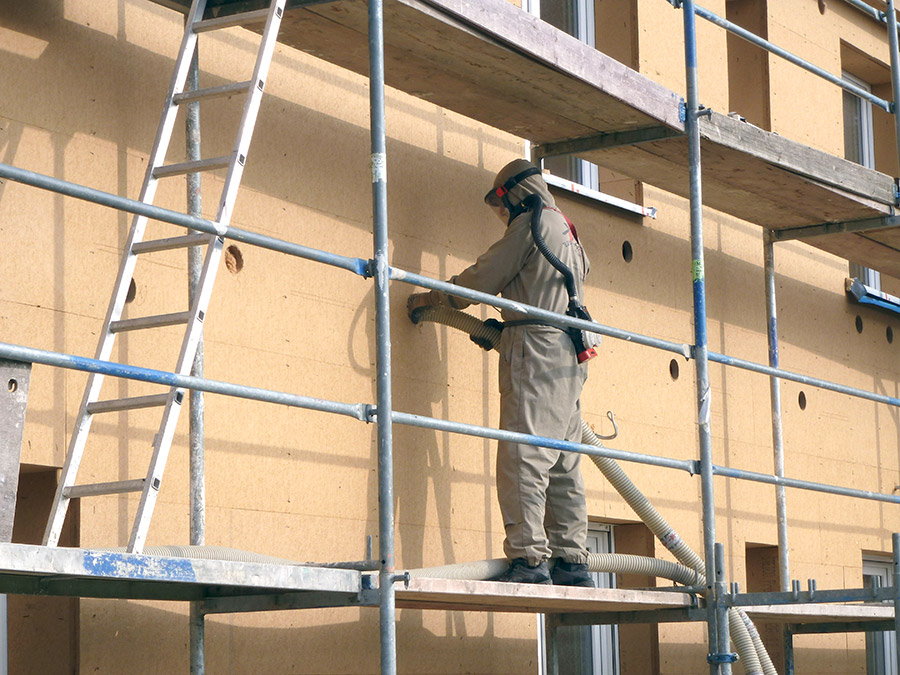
x=514, y=194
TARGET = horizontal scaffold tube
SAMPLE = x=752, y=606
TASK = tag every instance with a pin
x=726, y=360
x=29, y=355
x=38, y=180
x=366, y=413
x=563, y=321
x=762, y=43
x=552, y=318
x=361, y=267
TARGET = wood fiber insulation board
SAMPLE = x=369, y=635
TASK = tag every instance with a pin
x=491, y=596
x=490, y=61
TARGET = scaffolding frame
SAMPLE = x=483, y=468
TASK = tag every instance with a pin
x=718, y=597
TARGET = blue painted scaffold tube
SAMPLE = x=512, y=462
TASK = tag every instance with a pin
x=895, y=67
x=356, y=265
x=718, y=643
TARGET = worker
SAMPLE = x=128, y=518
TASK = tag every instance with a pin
x=541, y=491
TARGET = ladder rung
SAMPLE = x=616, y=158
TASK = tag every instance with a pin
x=242, y=19
x=211, y=92
x=97, y=489
x=190, y=167
x=149, y=322
x=134, y=403
x=171, y=243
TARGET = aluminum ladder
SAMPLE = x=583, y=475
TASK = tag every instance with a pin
x=193, y=318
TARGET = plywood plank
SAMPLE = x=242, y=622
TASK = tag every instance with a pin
x=865, y=249
x=758, y=176
x=493, y=596
x=797, y=158
x=819, y=613
x=490, y=61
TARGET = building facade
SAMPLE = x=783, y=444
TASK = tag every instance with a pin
x=83, y=86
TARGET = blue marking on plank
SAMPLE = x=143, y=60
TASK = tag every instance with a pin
x=133, y=566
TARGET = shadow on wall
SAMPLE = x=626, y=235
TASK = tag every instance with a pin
x=112, y=89
x=119, y=636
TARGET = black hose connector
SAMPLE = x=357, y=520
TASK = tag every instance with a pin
x=583, y=352
x=416, y=315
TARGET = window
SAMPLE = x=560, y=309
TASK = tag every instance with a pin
x=881, y=647
x=748, y=65
x=610, y=27
x=586, y=650
x=859, y=147
x=575, y=17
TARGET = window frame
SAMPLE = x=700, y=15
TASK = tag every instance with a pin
x=585, y=176
x=881, y=648
x=601, y=539
x=866, y=155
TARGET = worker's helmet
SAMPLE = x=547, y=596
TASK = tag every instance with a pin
x=507, y=179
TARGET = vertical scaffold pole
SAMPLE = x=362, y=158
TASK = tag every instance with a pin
x=784, y=572
x=895, y=67
x=895, y=542
x=718, y=644
x=195, y=268
x=382, y=338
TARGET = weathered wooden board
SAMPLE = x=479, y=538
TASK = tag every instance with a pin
x=865, y=249
x=820, y=613
x=494, y=596
x=490, y=61
x=758, y=176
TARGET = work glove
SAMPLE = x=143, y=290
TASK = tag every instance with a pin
x=417, y=301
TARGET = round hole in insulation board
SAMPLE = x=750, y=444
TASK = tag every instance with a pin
x=234, y=259
x=12, y=386
x=889, y=334
x=859, y=324
x=627, y=251
x=801, y=400
x=673, y=369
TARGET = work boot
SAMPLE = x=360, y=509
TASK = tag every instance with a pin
x=571, y=574
x=520, y=572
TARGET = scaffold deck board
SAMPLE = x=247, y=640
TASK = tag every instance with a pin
x=494, y=596
x=41, y=570
x=493, y=62
x=820, y=613
x=758, y=176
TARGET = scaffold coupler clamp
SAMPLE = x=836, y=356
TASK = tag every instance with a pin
x=717, y=659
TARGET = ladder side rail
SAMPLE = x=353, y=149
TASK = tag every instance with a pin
x=163, y=440
x=82, y=427
x=250, y=112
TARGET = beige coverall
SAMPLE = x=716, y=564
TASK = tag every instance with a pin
x=541, y=491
